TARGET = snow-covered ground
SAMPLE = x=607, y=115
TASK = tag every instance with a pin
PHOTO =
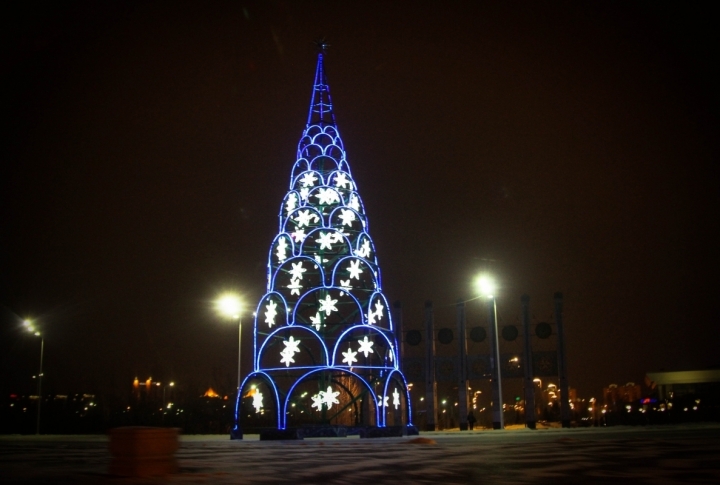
x=667, y=454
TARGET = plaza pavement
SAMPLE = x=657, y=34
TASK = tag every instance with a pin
x=638, y=455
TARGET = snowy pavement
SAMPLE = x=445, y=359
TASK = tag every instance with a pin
x=658, y=455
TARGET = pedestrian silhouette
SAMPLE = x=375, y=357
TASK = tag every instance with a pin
x=471, y=420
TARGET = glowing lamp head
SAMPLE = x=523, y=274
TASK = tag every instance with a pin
x=228, y=305
x=485, y=286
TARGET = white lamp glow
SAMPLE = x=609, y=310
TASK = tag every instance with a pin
x=229, y=305
x=485, y=286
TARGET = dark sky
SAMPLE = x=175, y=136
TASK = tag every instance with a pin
x=148, y=146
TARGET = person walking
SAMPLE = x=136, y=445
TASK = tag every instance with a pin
x=471, y=420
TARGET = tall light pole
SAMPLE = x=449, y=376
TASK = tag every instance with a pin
x=538, y=405
x=487, y=288
x=229, y=305
x=28, y=324
x=164, y=388
x=529, y=387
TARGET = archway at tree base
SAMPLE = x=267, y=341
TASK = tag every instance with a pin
x=332, y=397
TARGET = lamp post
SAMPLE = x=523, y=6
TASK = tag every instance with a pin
x=28, y=324
x=164, y=386
x=229, y=306
x=538, y=408
x=487, y=288
x=164, y=406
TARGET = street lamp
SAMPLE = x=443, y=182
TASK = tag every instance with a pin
x=28, y=324
x=486, y=287
x=172, y=384
x=229, y=306
x=538, y=408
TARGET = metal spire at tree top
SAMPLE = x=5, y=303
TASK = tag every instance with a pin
x=321, y=112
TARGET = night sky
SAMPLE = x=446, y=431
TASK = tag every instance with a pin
x=561, y=146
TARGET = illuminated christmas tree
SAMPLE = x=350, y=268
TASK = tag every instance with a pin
x=324, y=348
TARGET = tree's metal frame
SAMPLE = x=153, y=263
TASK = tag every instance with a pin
x=324, y=229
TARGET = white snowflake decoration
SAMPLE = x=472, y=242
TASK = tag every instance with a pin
x=305, y=217
x=354, y=269
x=292, y=345
x=370, y=317
x=341, y=180
x=349, y=356
x=325, y=241
x=330, y=397
x=379, y=309
x=316, y=321
x=345, y=285
x=347, y=216
x=287, y=358
x=366, y=346
x=291, y=203
x=291, y=348
x=383, y=401
x=327, y=305
x=327, y=196
x=270, y=313
x=304, y=192
x=308, y=179
x=281, y=251
x=297, y=271
x=294, y=286
x=396, y=398
x=364, y=251
x=257, y=401
x=298, y=235
x=327, y=398
x=354, y=202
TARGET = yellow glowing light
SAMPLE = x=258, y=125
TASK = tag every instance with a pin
x=228, y=305
x=485, y=286
x=211, y=393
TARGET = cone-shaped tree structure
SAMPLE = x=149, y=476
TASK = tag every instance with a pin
x=324, y=348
